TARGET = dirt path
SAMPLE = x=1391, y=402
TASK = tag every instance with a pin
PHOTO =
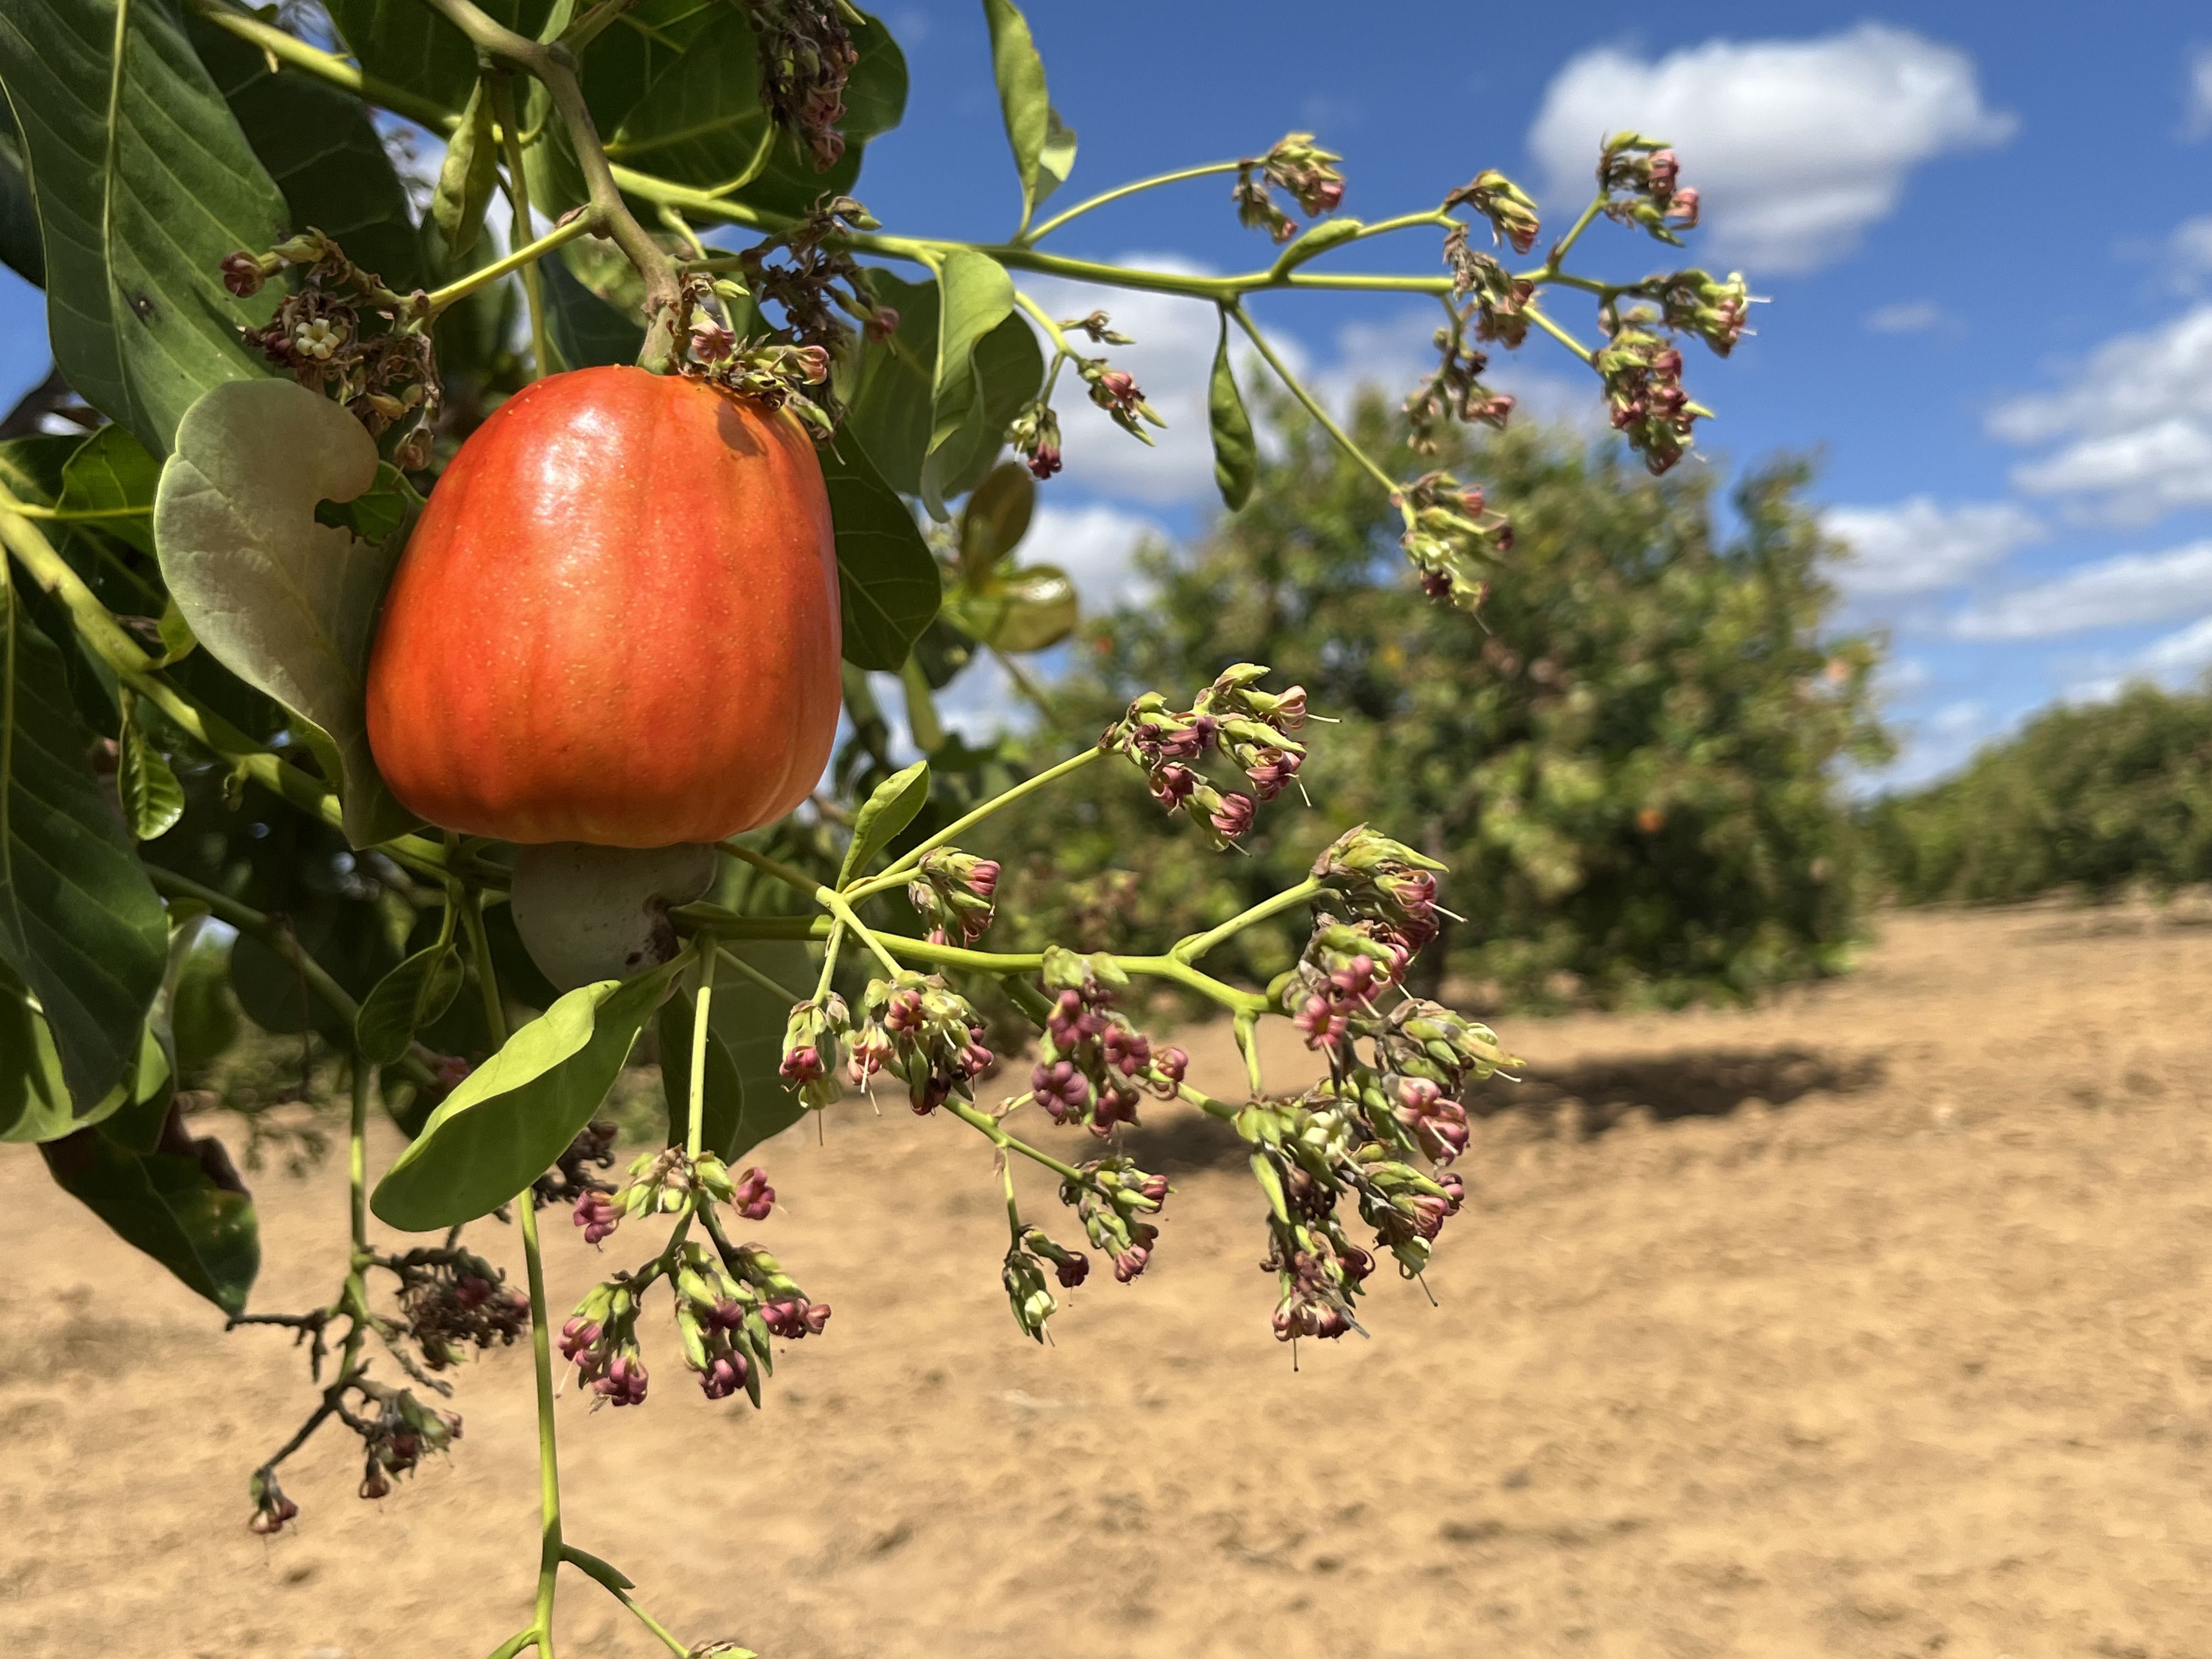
x=1871, y=1322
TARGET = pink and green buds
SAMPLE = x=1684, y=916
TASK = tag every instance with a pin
x=814, y=1040
x=1251, y=727
x=1116, y=391
x=1641, y=180
x=924, y=1033
x=1035, y=436
x=1423, y=1039
x=1512, y=214
x=1694, y=302
x=1298, y=166
x=953, y=891
x=1027, y=1293
x=1367, y=877
x=1643, y=394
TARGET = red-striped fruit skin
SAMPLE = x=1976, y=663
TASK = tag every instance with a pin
x=616, y=623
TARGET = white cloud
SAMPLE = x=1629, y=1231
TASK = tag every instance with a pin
x=1795, y=146
x=2188, y=252
x=2133, y=425
x=2133, y=587
x=1918, y=546
x=2179, y=656
x=2196, y=121
x=1906, y=317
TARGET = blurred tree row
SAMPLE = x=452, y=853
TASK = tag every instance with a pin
x=1629, y=762
x=2093, y=798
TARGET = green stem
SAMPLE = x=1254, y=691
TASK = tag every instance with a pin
x=978, y=1119
x=1190, y=949
x=287, y=47
x=559, y=236
x=357, y=1164
x=896, y=876
x=1243, y=1026
x=1558, y=333
x=1560, y=249
x=80, y=515
x=1120, y=191
x=1313, y=404
x=1052, y=330
x=518, y=198
x=694, y=1128
x=540, y=1339
x=797, y=879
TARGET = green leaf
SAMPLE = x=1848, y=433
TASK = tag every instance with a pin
x=203, y=1015
x=407, y=44
x=286, y=604
x=137, y=206
x=153, y=799
x=887, y=581
x=748, y=1021
x=884, y=385
x=80, y=924
x=516, y=1113
x=976, y=296
x=889, y=809
x=1316, y=242
x=588, y=332
x=411, y=996
x=722, y=1103
x=700, y=120
x=468, y=175
x=1236, y=456
x=34, y=1097
x=108, y=472
x=19, y=249
x=183, y=1208
x=321, y=148
x=1016, y=611
x=1044, y=149
x=996, y=518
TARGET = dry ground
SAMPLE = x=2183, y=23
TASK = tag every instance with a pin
x=1870, y=1322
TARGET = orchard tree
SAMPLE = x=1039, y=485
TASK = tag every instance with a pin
x=460, y=620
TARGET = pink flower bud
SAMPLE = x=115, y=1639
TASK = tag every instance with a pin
x=1233, y=816
x=243, y=276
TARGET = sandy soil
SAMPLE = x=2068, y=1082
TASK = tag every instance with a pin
x=1870, y=1322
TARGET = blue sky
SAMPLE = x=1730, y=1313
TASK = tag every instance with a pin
x=1986, y=233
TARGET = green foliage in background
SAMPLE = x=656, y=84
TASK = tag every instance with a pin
x=2094, y=798
x=1632, y=768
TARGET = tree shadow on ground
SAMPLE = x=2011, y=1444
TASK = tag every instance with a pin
x=1705, y=1083
x=1579, y=1102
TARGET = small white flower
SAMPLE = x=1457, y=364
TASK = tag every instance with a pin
x=316, y=339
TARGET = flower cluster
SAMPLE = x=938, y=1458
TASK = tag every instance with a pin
x=817, y=285
x=1035, y=436
x=1644, y=395
x=814, y=1049
x=924, y=1033
x=453, y=1300
x=1639, y=177
x=1367, y=878
x=1454, y=390
x=952, y=891
x=1449, y=528
x=384, y=375
x=1512, y=215
x=1301, y=170
x=395, y=1437
x=1694, y=302
x=764, y=371
x=1116, y=391
x=1112, y=1199
x=806, y=54
x=1252, y=727
x=1093, y=1063
x=601, y=1340
x=571, y=1175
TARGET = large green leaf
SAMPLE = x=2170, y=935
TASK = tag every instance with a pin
x=887, y=580
x=111, y=472
x=748, y=1021
x=407, y=44
x=587, y=331
x=19, y=214
x=890, y=388
x=700, y=120
x=34, y=1097
x=138, y=202
x=1236, y=455
x=974, y=295
x=182, y=1207
x=321, y=146
x=1044, y=149
x=516, y=1113
x=285, y=603
x=1026, y=609
x=411, y=996
x=79, y=922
